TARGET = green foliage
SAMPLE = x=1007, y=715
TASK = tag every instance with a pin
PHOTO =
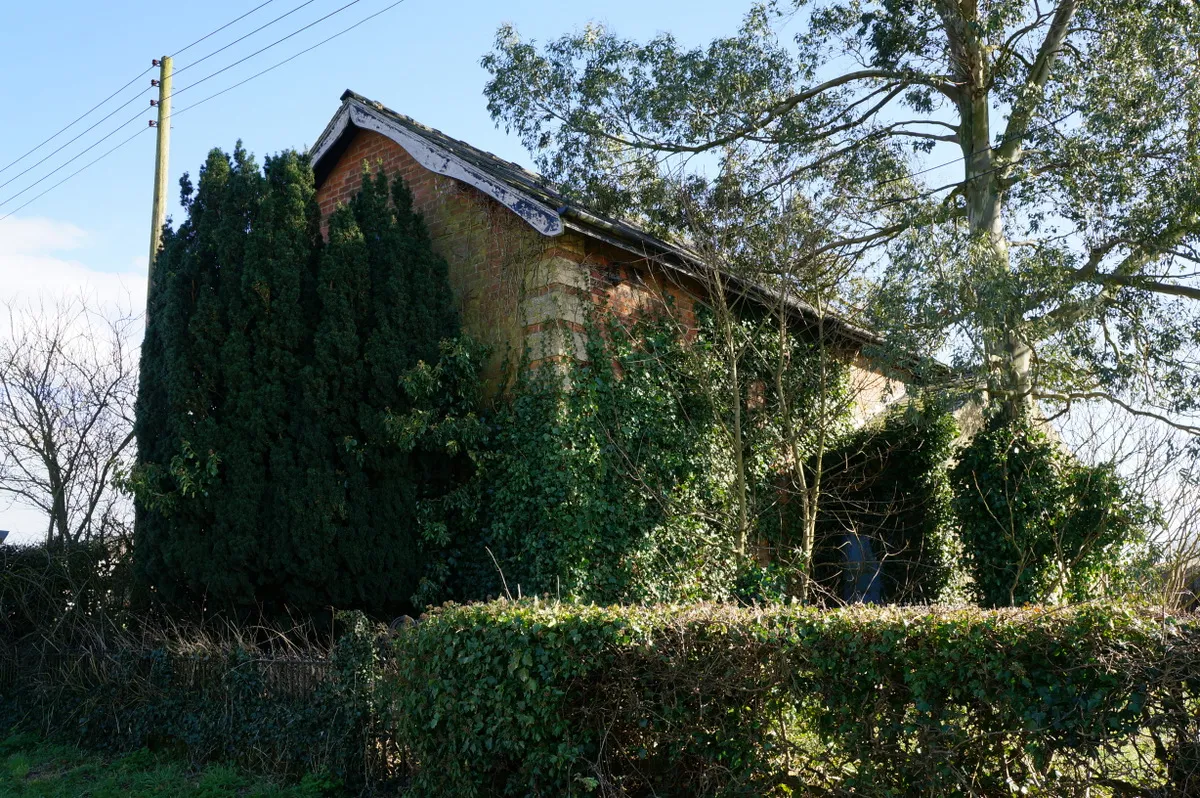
x=32, y=767
x=280, y=706
x=601, y=480
x=763, y=584
x=614, y=479
x=1036, y=524
x=267, y=473
x=545, y=699
x=1091, y=162
x=888, y=482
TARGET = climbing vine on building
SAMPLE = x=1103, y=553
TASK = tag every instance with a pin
x=614, y=479
x=313, y=431
x=887, y=496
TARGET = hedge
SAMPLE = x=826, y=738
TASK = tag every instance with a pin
x=529, y=699
x=248, y=696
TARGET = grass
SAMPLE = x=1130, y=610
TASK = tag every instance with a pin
x=32, y=767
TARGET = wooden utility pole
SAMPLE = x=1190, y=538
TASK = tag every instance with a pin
x=158, y=216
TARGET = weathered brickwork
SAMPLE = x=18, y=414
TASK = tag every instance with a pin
x=515, y=288
x=873, y=392
x=484, y=245
x=522, y=292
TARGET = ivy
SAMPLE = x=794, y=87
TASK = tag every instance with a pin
x=614, y=479
x=1038, y=525
x=889, y=483
x=601, y=480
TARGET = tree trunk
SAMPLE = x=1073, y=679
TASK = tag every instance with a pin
x=732, y=353
x=1006, y=348
x=58, y=511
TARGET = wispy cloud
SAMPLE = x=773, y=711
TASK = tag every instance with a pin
x=44, y=262
x=36, y=264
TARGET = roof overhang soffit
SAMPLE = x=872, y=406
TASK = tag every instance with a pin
x=436, y=159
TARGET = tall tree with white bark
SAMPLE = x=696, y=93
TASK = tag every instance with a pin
x=1018, y=182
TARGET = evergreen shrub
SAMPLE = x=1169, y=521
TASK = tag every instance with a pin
x=268, y=477
x=531, y=698
x=1038, y=525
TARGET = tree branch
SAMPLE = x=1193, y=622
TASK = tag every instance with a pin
x=1121, y=403
x=1140, y=282
x=784, y=107
x=1018, y=123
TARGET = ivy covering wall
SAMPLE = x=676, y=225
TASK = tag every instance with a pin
x=615, y=479
x=887, y=489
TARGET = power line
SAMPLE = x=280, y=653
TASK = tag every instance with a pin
x=263, y=49
x=71, y=124
x=73, y=158
x=133, y=80
x=88, y=165
x=223, y=27
x=242, y=38
x=286, y=60
x=192, y=85
x=95, y=125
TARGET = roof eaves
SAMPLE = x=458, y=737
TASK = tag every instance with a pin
x=620, y=233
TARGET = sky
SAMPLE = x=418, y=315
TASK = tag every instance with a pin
x=91, y=234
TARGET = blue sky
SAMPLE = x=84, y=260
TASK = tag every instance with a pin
x=421, y=58
x=58, y=59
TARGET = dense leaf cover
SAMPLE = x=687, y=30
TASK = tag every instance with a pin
x=267, y=699
x=1036, y=524
x=547, y=699
x=266, y=471
x=1011, y=181
x=60, y=587
x=609, y=482
x=614, y=479
x=889, y=483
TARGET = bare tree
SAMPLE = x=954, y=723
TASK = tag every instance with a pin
x=1162, y=465
x=68, y=380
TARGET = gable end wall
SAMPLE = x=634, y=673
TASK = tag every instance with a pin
x=516, y=288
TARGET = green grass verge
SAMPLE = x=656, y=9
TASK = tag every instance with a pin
x=31, y=767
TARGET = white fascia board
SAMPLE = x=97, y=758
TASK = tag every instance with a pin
x=537, y=215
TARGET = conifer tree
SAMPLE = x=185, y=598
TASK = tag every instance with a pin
x=267, y=477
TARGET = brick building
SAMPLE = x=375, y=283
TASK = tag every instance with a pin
x=525, y=262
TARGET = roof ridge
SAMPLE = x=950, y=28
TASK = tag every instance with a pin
x=537, y=176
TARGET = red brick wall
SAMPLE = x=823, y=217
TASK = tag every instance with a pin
x=470, y=230
x=490, y=250
x=631, y=287
x=493, y=256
